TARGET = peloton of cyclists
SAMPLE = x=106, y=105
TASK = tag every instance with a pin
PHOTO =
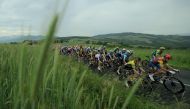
x=158, y=62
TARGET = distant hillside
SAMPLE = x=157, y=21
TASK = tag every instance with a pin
x=9, y=39
x=132, y=39
x=19, y=38
x=126, y=39
x=139, y=39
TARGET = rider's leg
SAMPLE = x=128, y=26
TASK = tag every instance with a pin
x=151, y=73
x=118, y=70
x=122, y=65
x=159, y=72
x=99, y=65
x=136, y=73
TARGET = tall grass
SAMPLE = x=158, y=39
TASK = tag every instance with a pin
x=38, y=79
x=65, y=84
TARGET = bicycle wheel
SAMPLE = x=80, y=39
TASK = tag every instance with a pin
x=174, y=85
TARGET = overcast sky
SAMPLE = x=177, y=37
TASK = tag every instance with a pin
x=91, y=17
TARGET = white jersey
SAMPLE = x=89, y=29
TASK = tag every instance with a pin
x=97, y=56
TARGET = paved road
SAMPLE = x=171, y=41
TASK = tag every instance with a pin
x=185, y=78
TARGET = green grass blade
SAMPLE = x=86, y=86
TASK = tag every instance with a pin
x=111, y=95
x=131, y=93
x=116, y=101
x=43, y=56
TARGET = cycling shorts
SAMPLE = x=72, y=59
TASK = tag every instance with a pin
x=154, y=65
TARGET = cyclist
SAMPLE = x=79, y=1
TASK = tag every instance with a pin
x=98, y=58
x=63, y=50
x=110, y=58
x=157, y=53
x=69, y=50
x=161, y=66
x=81, y=51
x=116, y=50
x=136, y=65
x=135, y=70
x=102, y=49
x=92, y=59
x=125, y=54
x=110, y=55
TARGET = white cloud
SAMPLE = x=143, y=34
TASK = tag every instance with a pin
x=147, y=16
x=17, y=13
x=15, y=31
x=90, y=17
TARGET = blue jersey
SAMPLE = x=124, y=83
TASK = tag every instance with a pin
x=124, y=55
x=118, y=55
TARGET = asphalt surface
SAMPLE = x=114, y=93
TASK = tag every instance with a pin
x=184, y=76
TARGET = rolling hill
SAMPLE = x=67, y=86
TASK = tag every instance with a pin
x=128, y=38
x=139, y=39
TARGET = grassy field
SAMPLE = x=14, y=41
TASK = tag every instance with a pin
x=63, y=83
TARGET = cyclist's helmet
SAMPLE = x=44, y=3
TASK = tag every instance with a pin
x=130, y=52
x=162, y=48
x=167, y=56
x=124, y=49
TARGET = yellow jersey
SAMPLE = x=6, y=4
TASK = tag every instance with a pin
x=132, y=63
x=161, y=61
